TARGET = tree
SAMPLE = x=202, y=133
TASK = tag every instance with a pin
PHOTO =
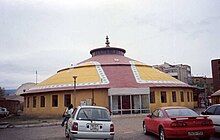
x=2, y=91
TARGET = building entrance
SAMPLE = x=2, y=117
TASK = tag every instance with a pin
x=129, y=101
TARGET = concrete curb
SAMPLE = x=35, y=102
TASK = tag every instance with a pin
x=37, y=125
x=8, y=125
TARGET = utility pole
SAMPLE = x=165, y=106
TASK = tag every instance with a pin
x=74, y=97
x=36, y=76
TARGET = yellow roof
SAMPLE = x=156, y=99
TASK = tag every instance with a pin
x=152, y=74
x=86, y=73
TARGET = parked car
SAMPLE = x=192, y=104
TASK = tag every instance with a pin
x=178, y=122
x=90, y=122
x=3, y=112
x=213, y=113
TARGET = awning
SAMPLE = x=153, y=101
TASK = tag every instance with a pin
x=128, y=91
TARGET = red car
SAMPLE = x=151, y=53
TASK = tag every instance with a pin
x=178, y=122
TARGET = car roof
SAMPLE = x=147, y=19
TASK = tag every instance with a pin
x=172, y=107
x=215, y=105
x=98, y=107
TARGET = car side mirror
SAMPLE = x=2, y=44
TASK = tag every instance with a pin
x=149, y=115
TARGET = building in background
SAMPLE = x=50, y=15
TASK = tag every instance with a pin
x=24, y=87
x=13, y=103
x=204, y=89
x=216, y=97
x=216, y=74
x=180, y=71
x=203, y=83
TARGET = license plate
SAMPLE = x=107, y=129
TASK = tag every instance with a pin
x=195, y=133
x=94, y=127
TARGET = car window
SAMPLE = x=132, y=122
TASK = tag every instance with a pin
x=160, y=114
x=155, y=113
x=74, y=112
x=94, y=114
x=175, y=112
x=210, y=111
x=217, y=111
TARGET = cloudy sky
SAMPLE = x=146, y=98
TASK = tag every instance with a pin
x=47, y=35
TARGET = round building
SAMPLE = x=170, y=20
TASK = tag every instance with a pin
x=109, y=79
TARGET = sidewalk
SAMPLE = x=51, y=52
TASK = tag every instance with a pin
x=27, y=121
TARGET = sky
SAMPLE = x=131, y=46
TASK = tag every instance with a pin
x=48, y=35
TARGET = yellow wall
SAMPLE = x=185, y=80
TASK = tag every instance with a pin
x=178, y=102
x=100, y=98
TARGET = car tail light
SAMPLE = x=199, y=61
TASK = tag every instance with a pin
x=207, y=123
x=112, y=128
x=178, y=124
x=75, y=126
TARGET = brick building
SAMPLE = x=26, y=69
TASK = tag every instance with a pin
x=216, y=74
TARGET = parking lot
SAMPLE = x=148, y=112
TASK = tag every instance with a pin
x=126, y=127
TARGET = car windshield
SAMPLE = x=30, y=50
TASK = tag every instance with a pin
x=180, y=112
x=93, y=114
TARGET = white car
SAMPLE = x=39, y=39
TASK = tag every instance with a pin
x=90, y=122
x=214, y=114
x=3, y=112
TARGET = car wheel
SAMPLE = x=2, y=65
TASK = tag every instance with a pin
x=161, y=134
x=144, y=128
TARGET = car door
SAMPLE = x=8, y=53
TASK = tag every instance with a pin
x=154, y=120
x=213, y=113
x=216, y=119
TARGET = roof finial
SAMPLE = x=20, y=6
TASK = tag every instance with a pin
x=107, y=42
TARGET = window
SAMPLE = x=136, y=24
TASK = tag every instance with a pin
x=188, y=96
x=144, y=103
x=210, y=111
x=163, y=97
x=217, y=111
x=174, y=96
x=54, y=100
x=175, y=112
x=160, y=114
x=152, y=97
x=67, y=100
x=155, y=113
x=25, y=101
x=181, y=96
x=34, y=101
x=195, y=97
x=94, y=114
x=191, y=96
x=28, y=102
x=42, y=101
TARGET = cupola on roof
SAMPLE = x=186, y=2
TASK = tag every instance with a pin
x=107, y=50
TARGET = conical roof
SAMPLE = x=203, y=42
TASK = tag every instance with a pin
x=108, y=68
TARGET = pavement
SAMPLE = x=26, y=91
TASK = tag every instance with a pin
x=126, y=128
x=57, y=121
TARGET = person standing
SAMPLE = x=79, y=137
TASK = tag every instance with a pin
x=67, y=114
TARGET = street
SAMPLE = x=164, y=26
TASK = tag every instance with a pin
x=125, y=128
